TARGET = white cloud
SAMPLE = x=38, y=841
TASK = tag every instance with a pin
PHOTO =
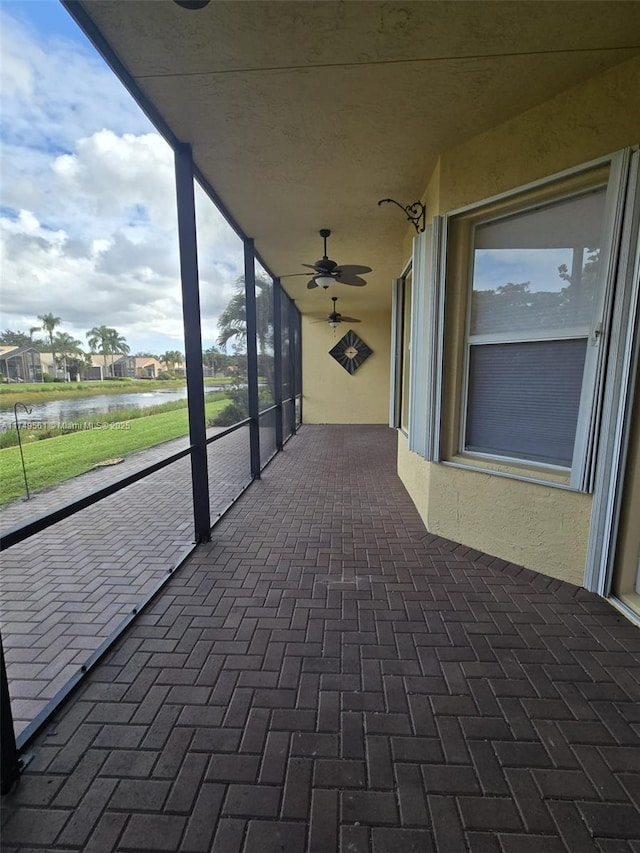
x=88, y=227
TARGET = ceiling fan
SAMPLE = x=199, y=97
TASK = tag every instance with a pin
x=335, y=318
x=328, y=271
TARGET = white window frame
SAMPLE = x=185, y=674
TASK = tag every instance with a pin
x=581, y=475
x=425, y=347
x=621, y=384
x=398, y=295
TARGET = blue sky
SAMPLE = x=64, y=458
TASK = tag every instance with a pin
x=87, y=206
x=46, y=16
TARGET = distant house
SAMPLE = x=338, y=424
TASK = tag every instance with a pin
x=51, y=365
x=124, y=367
x=138, y=367
x=20, y=364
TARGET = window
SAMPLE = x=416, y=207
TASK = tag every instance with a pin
x=535, y=304
x=414, y=345
x=406, y=352
x=529, y=286
x=401, y=351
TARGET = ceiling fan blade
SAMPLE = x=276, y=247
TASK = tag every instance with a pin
x=353, y=280
x=310, y=266
x=311, y=284
x=344, y=319
x=350, y=270
x=292, y=274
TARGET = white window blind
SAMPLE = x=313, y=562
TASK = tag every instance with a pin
x=524, y=399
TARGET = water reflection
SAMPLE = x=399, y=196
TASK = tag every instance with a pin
x=81, y=408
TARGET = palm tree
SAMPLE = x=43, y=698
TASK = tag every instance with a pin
x=67, y=348
x=211, y=358
x=106, y=341
x=232, y=323
x=49, y=322
x=172, y=357
x=98, y=339
x=117, y=346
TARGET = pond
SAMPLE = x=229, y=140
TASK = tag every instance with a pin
x=74, y=409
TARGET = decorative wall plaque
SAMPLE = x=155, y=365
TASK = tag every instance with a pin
x=351, y=351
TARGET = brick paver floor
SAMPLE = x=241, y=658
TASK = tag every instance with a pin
x=327, y=676
x=63, y=591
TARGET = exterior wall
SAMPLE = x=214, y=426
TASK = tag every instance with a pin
x=48, y=364
x=333, y=396
x=581, y=124
x=541, y=527
x=536, y=526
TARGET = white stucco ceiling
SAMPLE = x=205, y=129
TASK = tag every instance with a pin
x=302, y=115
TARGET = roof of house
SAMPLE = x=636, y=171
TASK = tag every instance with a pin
x=11, y=352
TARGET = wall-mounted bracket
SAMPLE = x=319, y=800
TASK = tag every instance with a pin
x=415, y=212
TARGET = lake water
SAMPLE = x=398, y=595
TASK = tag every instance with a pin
x=90, y=408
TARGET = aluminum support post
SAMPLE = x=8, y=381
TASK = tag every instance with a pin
x=298, y=338
x=193, y=341
x=252, y=354
x=277, y=358
x=9, y=761
x=292, y=361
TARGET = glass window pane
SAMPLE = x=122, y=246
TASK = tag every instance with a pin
x=535, y=274
x=524, y=399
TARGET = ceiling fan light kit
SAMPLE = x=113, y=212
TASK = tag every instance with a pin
x=335, y=318
x=326, y=271
x=324, y=281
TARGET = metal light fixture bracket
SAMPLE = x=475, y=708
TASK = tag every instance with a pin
x=415, y=212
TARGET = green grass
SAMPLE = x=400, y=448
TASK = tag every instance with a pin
x=9, y=437
x=58, y=459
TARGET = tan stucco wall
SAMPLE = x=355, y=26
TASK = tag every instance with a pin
x=330, y=394
x=579, y=125
x=628, y=550
x=538, y=526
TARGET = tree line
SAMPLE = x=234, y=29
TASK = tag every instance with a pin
x=70, y=355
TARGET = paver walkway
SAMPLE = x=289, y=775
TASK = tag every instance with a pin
x=63, y=591
x=327, y=676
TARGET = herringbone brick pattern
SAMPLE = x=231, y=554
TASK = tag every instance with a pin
x=327, y=676
x=63, y=591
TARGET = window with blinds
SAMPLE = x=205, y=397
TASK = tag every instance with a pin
x=532, y=349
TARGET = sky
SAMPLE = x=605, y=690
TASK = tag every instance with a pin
x=87, y=203
x=496, y=267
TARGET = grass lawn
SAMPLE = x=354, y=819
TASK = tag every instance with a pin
x=57, y=459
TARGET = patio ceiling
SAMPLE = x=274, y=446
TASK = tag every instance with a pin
x=302, y=115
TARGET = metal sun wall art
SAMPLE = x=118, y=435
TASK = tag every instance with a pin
x=350, y=352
